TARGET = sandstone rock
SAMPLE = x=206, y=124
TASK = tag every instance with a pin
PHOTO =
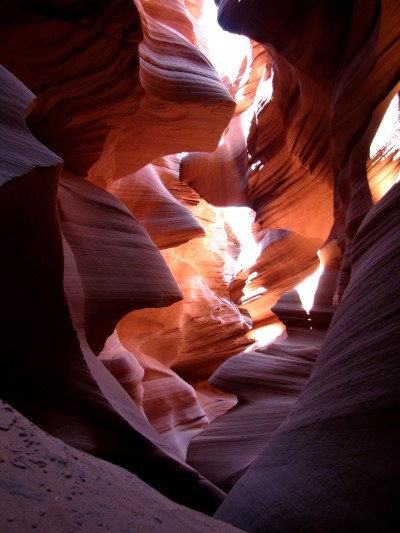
x=109, y=344
x=48, y=486
x=119, y=266
x=168, y=222
x=332, y=465
x=267, y=382
x=97, y=72
x=60, y=384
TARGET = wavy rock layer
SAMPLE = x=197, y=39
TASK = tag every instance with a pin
x=267, y=382
x=99, y=229
x=356, y=64
x=339, y=88
x=258, y=288
x=121, y=104
x=351, y=403
x=117, y=88
x=51, y=373
x=110, y=344
x=168, y=222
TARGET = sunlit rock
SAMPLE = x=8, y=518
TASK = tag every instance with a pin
x=153, y=360
x=267, y=382
x=67, y=283
x=259, y=287
x=116, y=87
x=168, y=222
x=194, y=336
x=83, y=66
x=309, y=475
x=221, y=176
x=383, y=167
x=351, y=404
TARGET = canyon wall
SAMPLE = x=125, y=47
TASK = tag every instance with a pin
x=131, y=329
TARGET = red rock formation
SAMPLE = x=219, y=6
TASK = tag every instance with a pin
x=285, y=259
x=194, y=336
x=225, y=169
x=168, y=222
x=330, y=465
x=81, y=62
x=58, y=278
x=267, y=382
x=267, y=385
x=112, y=253
x=109, y=344
x=103, y=112
x=98, y=97
x=351, y=74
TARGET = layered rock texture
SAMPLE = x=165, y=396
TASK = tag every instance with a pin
x=134, y=357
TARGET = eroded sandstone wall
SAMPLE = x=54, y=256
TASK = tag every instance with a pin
x=121, y=310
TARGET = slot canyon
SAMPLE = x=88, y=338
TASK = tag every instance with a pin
x=173, y=176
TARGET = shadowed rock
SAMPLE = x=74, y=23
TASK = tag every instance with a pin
x=333, y=463
x=49, y=486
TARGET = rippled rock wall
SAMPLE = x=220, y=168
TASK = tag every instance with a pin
x=126, y=321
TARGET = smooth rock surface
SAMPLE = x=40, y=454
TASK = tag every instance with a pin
x=119, y=139
x=333, y=464
x=47, y=486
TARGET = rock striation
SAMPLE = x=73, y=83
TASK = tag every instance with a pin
x=128, y=310
x=53, y=272
x=332, y=464
x=300, y=480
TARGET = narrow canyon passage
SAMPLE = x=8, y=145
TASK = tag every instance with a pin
x=199, y=207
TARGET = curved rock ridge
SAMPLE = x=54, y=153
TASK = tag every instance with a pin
x=351, y=403
x=225, y=168
x=133, y=274
x=285, y=260
x=185, y=106
x=142, y=357
x=194, y=74
x=267, y=385
x=282, y=169
x=283, y=25
x=221, y=177
x=167, y=169
x=170, y=404
x=51, y=372
x=371, y=72
x=267, y=382
x=50, y=486
x=168, y=222
x=290, y=152
x=356, y=64
x=190, y=339
x=16, y=102
x=81, y=61
x=106, y=252
x=124, y=366
x=104, y=100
